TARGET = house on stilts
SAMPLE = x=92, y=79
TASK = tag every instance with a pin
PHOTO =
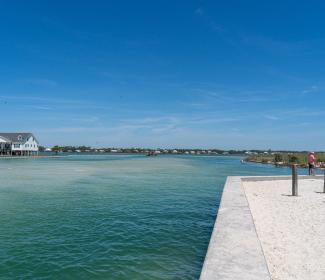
x=18, y=144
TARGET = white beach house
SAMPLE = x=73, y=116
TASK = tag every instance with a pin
x=18, y=144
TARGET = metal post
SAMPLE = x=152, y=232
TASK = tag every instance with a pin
x=324, y=182
x=294, y=180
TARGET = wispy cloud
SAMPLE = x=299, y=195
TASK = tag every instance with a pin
x=233, y=96
x=39, y=82
x=212, y=23
x=211, y=120
x=45, y=108
x=271, y=117
x=86, y=119
x=199, y=11
x=80, y=34
x=272, y=45
x=294, y=114
x=170, y=123
x=240, y=40
x=312, y=89
x=54, y=102
x=152, y=120
x=154, y=124
x=74, y=129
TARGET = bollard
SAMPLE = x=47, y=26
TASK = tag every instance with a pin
x=324, y=182
x=294, y=180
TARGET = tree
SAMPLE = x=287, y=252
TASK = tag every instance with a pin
x=278, y=158
x=41, y=148
x=56, y=149
x=293, y=159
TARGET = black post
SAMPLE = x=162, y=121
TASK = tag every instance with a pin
x=324, y=182
x=294, y=180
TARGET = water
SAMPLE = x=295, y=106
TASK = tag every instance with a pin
x=111, y=217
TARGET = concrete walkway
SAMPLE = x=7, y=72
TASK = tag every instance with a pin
x=235, y=251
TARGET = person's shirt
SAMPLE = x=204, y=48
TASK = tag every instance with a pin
x=311, y=159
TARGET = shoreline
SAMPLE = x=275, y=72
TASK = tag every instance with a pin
x=31, y=157
x=280, y=164
x=286, y=159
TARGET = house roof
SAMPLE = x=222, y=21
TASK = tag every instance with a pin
x=19, y=137
x=3, y=140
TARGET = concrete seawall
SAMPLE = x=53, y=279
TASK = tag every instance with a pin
x=234, y=251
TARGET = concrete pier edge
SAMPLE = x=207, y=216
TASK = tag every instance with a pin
x=234, y=250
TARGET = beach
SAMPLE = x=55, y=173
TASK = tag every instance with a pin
x=291, y=229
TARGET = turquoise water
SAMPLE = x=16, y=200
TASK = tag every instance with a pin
x=111, y=217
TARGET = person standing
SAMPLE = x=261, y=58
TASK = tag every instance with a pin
x=311, y=163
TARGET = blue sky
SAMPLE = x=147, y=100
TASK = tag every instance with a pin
x=211, y=74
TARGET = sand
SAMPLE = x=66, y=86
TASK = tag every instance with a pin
x=291, y=229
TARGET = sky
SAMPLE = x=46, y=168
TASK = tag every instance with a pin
x=170, y=74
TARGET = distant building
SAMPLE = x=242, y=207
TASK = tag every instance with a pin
x=18, y=144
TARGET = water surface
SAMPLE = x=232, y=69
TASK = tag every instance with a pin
x=111, y=216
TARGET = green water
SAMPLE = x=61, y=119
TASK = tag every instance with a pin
x=111, y=217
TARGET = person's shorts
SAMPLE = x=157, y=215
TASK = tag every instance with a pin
x=311, y=165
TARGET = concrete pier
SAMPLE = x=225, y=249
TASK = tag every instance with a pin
x=236, y=250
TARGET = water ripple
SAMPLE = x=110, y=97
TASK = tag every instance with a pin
x=110, y=217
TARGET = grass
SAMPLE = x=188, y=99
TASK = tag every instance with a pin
x=280, y=158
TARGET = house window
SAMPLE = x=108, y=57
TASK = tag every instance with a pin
x=20, y=137
x=16, y=146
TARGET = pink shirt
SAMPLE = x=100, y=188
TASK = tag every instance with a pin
x=311, y=159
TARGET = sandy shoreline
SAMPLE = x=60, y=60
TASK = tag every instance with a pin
x=291, y=229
